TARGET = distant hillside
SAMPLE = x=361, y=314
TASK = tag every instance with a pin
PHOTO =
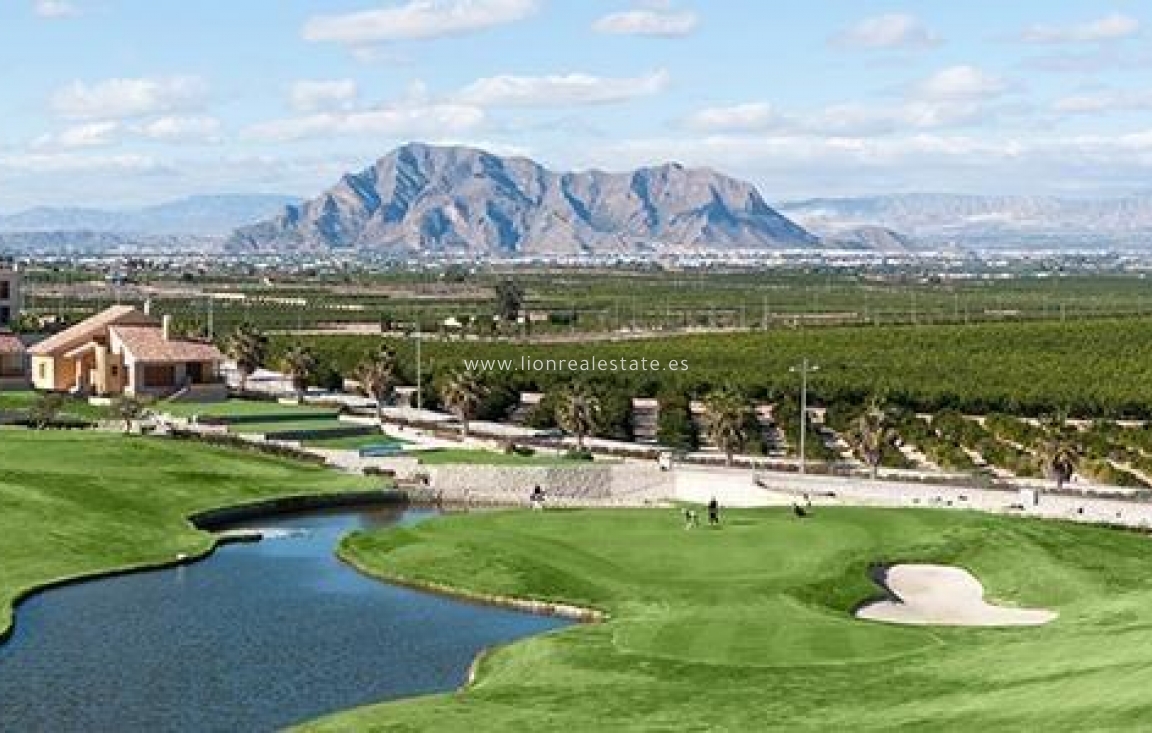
x=425, y=198
x=197, y=215
x=987, y=221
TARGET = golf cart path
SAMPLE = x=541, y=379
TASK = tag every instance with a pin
x=940, y=595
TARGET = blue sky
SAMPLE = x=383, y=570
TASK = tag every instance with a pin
x=122, y=102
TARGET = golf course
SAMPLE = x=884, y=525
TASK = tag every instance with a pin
x=78, y=503
x=750, y=626
x=746, y=626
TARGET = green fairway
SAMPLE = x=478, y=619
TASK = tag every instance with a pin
x=319, y=424
x=749, y=627
x=242, y=408
x=73, y=503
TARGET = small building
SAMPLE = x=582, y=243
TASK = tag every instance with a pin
x=13, y=362
x=125, y=351
x=9, y=295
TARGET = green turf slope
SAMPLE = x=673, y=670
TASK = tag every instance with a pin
x=74, y=503
x=748, y=628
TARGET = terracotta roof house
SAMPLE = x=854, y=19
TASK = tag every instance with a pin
x=123, y=350
x=13, y=362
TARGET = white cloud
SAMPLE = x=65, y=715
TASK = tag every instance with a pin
x=799, y=165
x=1113, y=27
x=171, y=129
x=848, y=119
x=887, y=32
x=735, y=118
x=417, y=19
x=87, y=135
x=1103, y=102
x=42, y=163
x=126, y=98
x=960, y=82
x=402, y=120
x=103, y=133
x=659, y=22
x=859, y=120
x=560, y=90
x=55, y=9
x=313, y=96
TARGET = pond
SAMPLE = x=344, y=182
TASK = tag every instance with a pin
x=255, y=637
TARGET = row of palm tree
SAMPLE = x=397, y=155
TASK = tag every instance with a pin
x=579, y=411
x=1057, y=451
x=249, y=348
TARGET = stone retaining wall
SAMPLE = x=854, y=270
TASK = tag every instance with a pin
x=592, y=484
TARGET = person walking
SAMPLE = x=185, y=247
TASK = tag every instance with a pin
x=714, y=512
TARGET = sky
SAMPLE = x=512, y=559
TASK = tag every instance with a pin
x=118, y=103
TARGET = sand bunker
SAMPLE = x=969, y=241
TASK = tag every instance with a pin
x=938, y=595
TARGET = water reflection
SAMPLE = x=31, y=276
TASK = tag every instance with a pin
x=256, y=637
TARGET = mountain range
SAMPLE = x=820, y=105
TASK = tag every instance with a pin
x=431, y=199
x=425, y=199
x=986, y=222
x=200, y=216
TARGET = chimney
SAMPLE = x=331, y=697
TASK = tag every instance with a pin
x=166, y=326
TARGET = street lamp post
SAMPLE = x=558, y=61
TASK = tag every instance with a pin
x=803, y=369
x=419, y=374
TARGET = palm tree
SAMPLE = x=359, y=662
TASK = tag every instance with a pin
x=509, y=299
x=578, y=412
x=462, y=393
x=129, y=409
x=248, y=348
x=1058, y=453
x=300, y=366
x=377, y=376
x=45, y=410
x=727, y=415
x=870, y=434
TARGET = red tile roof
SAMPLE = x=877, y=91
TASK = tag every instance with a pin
x=88, y=329
x=147, y=343
x=9, y=344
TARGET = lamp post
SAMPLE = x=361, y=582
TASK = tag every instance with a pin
x=803, y=370
x=419, y=373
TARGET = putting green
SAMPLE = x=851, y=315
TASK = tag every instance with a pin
x=749, y=627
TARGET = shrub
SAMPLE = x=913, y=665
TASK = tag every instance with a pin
x=578, y=455
x=237, y=443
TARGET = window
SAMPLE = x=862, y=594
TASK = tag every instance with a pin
x=5, y=290
x=43, y=370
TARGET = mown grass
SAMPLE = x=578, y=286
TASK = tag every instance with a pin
x=75, y=503
x=749, y=627
x=279, y=426
x=23, y=401
x=240, y=408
